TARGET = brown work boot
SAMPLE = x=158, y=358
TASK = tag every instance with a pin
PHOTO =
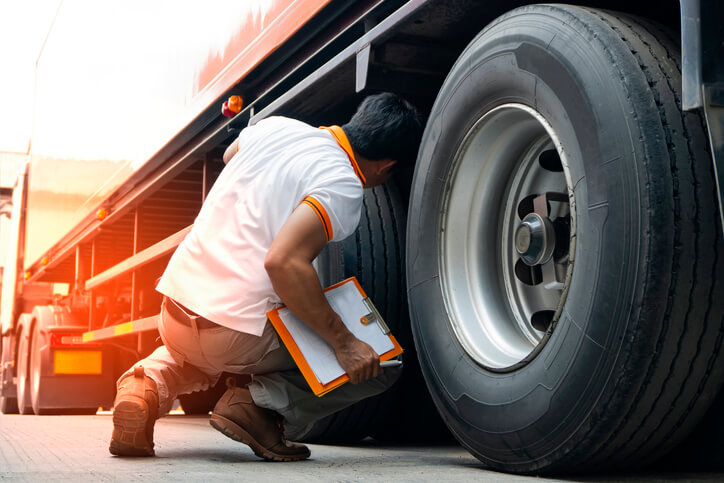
x=134, y=413
x=240, y=419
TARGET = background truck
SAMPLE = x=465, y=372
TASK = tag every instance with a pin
x=554, y=261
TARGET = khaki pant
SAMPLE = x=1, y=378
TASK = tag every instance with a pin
x=192, y=359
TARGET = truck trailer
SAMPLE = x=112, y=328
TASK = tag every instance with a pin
x=553, y=265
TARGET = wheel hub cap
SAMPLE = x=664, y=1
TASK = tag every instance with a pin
x=535, y=239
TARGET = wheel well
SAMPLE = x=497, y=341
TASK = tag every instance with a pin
x=415, y=60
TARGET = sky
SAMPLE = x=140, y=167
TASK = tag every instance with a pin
x=117, y=79
x=88, y=55
x=23, y=27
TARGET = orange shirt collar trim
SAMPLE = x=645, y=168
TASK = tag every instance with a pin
x=343, y=142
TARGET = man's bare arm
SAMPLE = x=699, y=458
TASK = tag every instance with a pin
x=289, y=265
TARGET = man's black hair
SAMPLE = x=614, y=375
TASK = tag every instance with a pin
x=385, y=126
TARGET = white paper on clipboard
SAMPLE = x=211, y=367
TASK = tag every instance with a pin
x=348, y=302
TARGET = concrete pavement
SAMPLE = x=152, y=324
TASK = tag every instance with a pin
x=75, y=449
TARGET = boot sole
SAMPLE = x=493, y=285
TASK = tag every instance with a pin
x=232, y=430
x=129, y=430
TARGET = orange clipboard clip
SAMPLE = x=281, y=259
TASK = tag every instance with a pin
x=373, y=316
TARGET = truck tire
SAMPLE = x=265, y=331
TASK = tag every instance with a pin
x=564, y=256
x=8, y=405
x=59, y=393
x=703, y=449
x=34, y=369
x=23, y=378
x=36, y=384
x=374, y=254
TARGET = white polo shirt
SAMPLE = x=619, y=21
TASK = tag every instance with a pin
x=218, y=270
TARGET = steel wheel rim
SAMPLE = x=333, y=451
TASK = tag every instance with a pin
x=499, y=314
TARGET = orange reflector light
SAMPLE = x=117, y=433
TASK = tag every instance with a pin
x=46, y=260
x=78, y=362
x=232, y=106
x=235, y=103
x=27, y=275
x=101, y=214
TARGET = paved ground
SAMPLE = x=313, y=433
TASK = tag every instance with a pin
x=75, y=448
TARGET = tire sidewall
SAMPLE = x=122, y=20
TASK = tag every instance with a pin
x=517, y=420
x=23, y=371
x=35, y=362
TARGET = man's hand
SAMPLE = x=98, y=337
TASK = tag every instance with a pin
x=290, y=269
x=358, y=360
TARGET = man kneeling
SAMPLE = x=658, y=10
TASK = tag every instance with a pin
x=287, y=190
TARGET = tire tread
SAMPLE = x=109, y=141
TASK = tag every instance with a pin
x=663, y=363
x=380, y=274
x=684, y=286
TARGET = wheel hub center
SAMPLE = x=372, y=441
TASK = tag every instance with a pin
x=535, y=239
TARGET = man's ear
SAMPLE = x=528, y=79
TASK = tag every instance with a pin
x=384, y=165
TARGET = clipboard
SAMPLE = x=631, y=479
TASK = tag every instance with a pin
x=314, y=357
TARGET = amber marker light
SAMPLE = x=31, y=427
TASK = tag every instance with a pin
x=101, y=214
x=232, y=106
x=27, y=275
x=45, y=260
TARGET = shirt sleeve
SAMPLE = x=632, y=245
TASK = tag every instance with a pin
x=338, y=203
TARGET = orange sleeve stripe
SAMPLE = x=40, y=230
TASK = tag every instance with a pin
x=322, y=214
